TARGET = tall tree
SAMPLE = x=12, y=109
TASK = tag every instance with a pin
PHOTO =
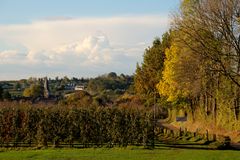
x=181, y=74
x=211, y=29
x=149, y=73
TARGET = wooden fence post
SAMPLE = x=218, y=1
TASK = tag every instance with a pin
x=207, y=136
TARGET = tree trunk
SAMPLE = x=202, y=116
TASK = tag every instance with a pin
x=192, y=110
x=237, y=103
x=237, y=97
x=215, y=110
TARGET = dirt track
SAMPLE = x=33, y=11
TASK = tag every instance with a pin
x=164, y=124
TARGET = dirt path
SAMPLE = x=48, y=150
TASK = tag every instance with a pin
x=235, y=146
x=163, y=123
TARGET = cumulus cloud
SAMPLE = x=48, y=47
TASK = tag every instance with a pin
x=94, y=49
x=11, y=57
x=79, y=47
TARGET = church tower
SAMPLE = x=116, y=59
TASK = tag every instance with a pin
x=46, y=88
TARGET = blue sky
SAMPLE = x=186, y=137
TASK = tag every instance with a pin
x=77, y=38
x=22, y=11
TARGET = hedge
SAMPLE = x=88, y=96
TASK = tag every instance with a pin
x=64, y=125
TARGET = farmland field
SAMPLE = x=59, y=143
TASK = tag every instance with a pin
x=130, y=153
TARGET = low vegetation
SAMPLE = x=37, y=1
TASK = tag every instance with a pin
x=130, y=153
x=86, y=126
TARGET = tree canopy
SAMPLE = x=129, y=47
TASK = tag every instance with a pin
x=211, y=30
x=35, y=90
x=181, y=75
x=149, y=73
x=202, y=65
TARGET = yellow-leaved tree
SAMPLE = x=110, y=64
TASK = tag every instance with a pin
x=181, y=74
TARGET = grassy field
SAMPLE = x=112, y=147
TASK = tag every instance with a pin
x=130, y=153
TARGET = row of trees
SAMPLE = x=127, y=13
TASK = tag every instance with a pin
x=44, y=125
x=203, y=63
x=199, y=70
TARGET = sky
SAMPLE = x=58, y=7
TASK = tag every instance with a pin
x=78, y=38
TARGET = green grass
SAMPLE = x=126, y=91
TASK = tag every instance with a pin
x=130, y=153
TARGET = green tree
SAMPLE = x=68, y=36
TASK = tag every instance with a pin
x=35, y=90
x=65, y=80
x=149, y=73
x=112, y=75
x=6, y=95
x=17, y=86
x=109, y=83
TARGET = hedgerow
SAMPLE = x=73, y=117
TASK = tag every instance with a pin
x=56, y=125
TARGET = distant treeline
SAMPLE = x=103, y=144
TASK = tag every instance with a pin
x=107, y=87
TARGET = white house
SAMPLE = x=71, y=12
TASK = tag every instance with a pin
x=79, y=88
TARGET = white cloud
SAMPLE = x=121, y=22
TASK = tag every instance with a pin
x=11, y=57
x=94, y=48
x=84, y=47
x=7, y=54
